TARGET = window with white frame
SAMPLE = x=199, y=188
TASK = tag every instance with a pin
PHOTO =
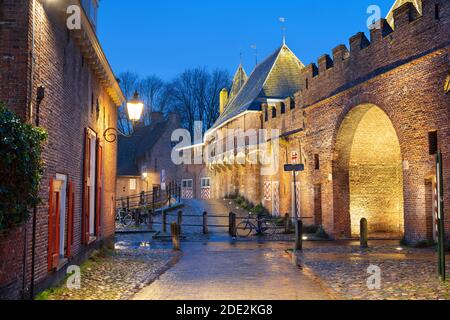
x=206, y=182
x=187, y=183
x=133, y=184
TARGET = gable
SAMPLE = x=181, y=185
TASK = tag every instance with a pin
x=283, y=79
x=277, y=76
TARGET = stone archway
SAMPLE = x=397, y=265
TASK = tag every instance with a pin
x=368, y=174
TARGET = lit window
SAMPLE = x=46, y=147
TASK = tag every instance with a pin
x=133, y=184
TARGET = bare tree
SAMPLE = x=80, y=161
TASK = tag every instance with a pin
x=153, y=92
x=129, y=84
x=194, y=95
x=219, y=79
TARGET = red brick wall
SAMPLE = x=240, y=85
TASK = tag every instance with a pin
x=65, y=113
x=11, y=262
x=402, y=73
x=14, y=54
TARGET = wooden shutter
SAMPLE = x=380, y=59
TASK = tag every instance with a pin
x=99, y=189
x=86, y=171
x=70, y=222
x=53, y=227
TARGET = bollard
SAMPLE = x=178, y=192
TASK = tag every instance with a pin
x=164, y=222
x=364, y=237
x=205, y=223
x=137, y=217
x=233, y=225
x=180, y=219
x=229, y=223
x=298, y=235
x=287, y=225
x=128, y=203
x=175, y=231
x=150, y=219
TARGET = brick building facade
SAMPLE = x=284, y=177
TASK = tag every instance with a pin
x=80, y=101
x=144, y=160
x=360, y=122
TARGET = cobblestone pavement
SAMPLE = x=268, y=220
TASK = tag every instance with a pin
x=214, y=266
x=406, y=273
x=240, y=271
x=118, y=276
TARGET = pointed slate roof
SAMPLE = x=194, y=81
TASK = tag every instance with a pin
x=130, y=149
x=239, y=79
x=276, y=77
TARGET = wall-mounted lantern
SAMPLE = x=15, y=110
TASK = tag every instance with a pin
x=135, y=107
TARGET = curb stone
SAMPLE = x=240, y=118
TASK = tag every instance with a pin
x=332, y=293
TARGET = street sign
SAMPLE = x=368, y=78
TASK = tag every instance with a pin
x=294, y=167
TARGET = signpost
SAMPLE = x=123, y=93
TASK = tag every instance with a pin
x=294, y=168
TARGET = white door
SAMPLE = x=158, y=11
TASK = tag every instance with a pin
x=62, y=179
x=91, y=182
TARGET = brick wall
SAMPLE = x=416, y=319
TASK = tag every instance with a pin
x=400, y=72
x=14, y=54
x=403, y=74
x=70, y=106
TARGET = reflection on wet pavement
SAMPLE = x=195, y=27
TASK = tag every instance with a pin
x=226, y=271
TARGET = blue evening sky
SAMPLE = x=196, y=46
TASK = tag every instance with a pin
x=164, y=37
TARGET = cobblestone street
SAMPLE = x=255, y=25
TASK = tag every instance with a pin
x=406, y=273
x=214, y=266
x=233, y=271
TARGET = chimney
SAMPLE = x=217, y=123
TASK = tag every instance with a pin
x=223, y=99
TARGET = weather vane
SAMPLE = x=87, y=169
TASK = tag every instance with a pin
x=283, y=28
x=254, y=47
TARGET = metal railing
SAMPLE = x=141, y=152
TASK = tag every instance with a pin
x=154, y=200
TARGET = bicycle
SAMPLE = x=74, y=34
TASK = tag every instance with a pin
x=262, y=226
x=124, y=217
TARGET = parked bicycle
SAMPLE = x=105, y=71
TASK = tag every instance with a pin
x=124, y=217
x=256, y=226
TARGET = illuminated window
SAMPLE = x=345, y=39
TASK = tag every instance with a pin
x=133, y=184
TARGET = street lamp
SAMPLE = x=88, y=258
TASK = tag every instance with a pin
x=135, y=107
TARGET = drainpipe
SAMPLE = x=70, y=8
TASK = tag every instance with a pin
x=31, y=81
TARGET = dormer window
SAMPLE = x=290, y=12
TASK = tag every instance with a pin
x=90, y=8
x=274, y=112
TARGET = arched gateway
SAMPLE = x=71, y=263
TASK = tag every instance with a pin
x=368, y=174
